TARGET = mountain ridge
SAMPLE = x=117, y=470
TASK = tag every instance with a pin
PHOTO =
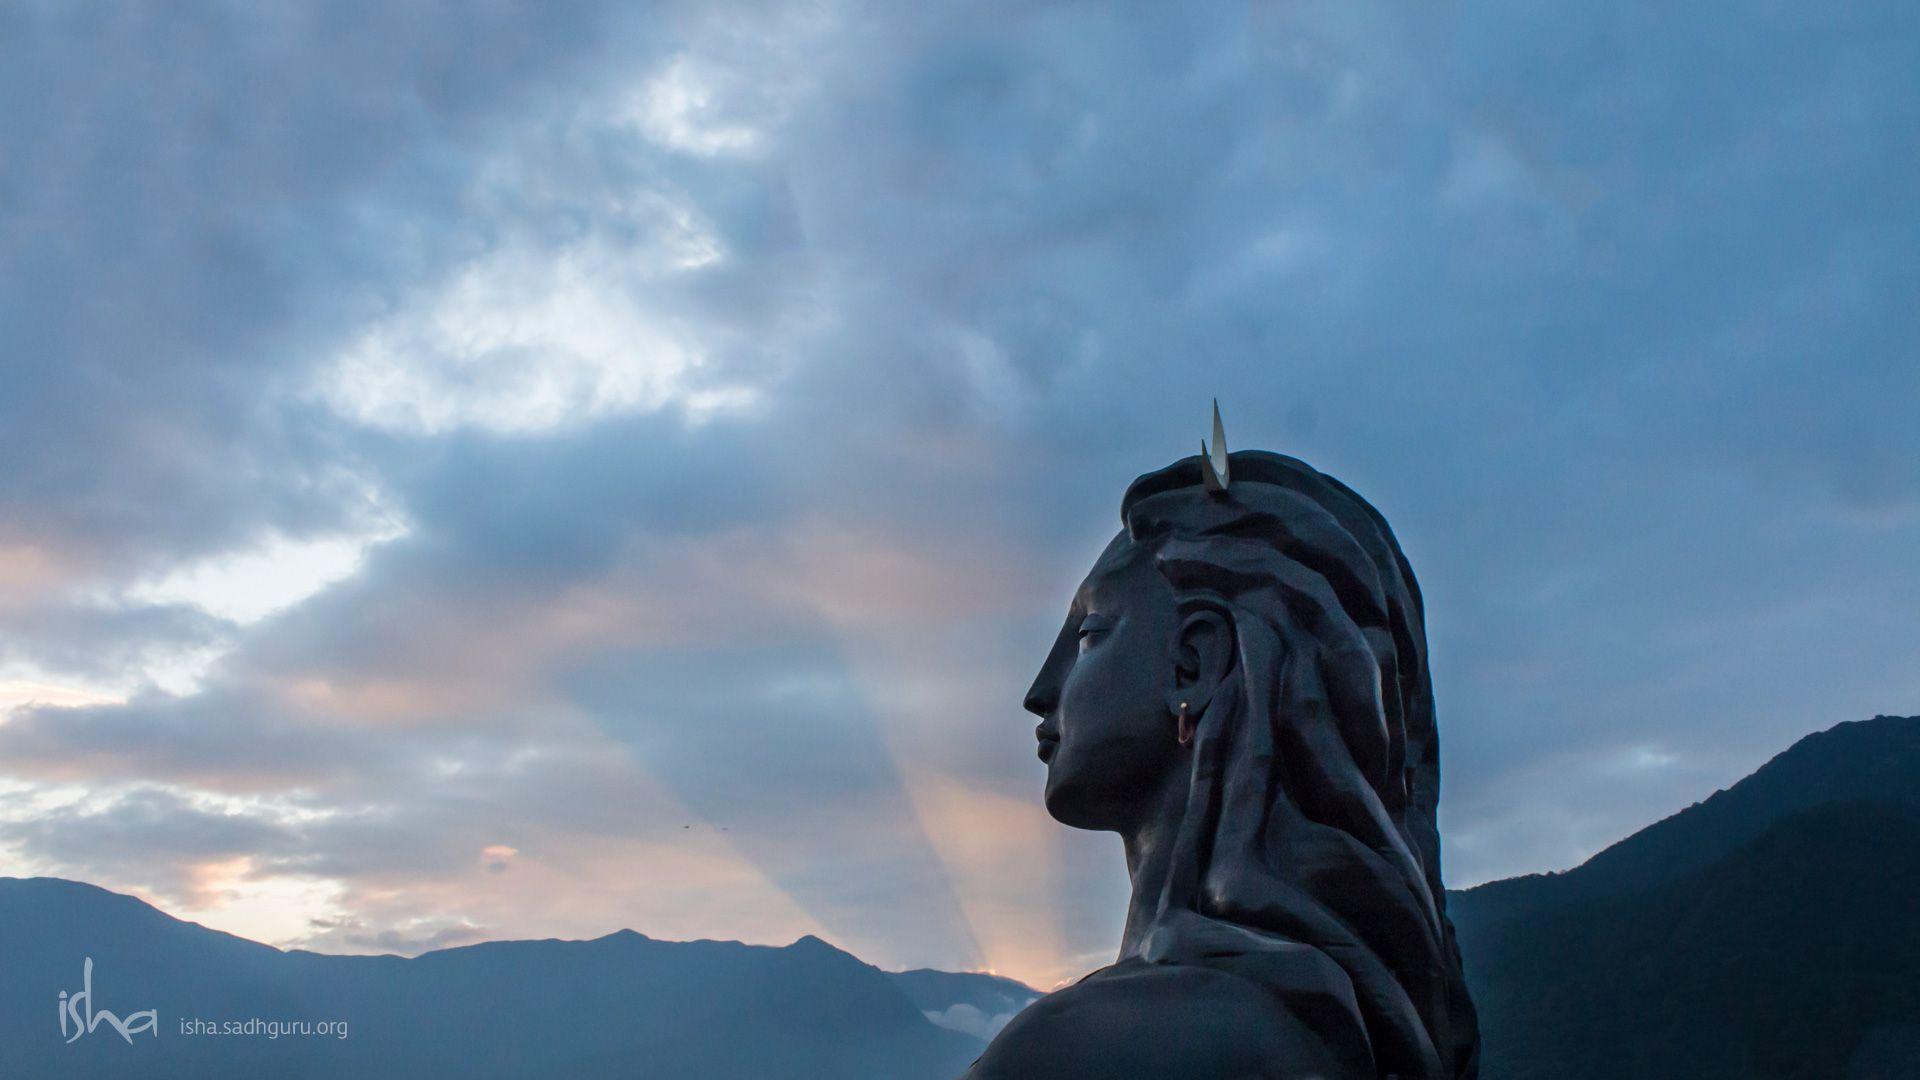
x=1763, y=931
x=1714, y=942
x=1853, y=760
x=531, y=1006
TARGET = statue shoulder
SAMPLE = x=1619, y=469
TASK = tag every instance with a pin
x=1144, y=1020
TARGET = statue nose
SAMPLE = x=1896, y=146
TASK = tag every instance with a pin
x=1041, y=699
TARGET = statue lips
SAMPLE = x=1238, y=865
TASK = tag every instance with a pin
x=1049, y=742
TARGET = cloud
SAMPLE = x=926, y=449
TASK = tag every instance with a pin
x=246, y=587
x=663, y=446
x=523, y=341
x=965, y=1018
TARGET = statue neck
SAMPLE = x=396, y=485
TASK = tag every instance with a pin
x=1149, y=847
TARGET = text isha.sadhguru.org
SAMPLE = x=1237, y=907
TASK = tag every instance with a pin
x=255, y=1026
x=81, y=1014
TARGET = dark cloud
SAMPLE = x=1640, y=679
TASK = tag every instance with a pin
x=219, y=740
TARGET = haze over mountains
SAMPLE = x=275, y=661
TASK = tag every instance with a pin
x=1766, y=932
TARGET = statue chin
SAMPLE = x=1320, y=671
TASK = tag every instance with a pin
x=1088, y=798
x=1073, y=809
x=1235, y=675
x=1069, y=800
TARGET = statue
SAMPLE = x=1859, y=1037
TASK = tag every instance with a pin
x=1241, y=692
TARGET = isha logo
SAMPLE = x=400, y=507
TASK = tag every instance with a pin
x=78, y=1007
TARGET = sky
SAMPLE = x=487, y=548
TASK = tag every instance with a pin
x=476, y=471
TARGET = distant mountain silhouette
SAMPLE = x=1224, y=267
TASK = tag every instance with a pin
x=977, y=1004
x=1769, y=931
x=621, y=1005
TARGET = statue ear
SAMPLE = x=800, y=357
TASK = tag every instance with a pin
x=1202, y=656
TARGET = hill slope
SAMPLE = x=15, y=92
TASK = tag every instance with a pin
x=618, y=1005
x=1766, y=932
x=977, y=1004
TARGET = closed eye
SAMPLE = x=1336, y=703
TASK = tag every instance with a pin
x=1091, y=627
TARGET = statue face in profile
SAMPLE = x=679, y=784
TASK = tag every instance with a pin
x=1101, y=694
x=1240, y=691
